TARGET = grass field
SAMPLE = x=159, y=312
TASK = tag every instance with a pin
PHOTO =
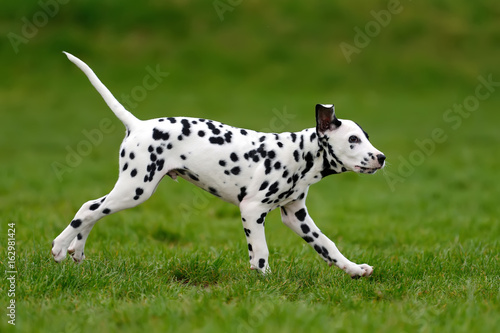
x=428, y=223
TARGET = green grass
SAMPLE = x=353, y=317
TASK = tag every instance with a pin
x=178, y=263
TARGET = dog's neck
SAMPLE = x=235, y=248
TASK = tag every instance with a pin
x=317, y=156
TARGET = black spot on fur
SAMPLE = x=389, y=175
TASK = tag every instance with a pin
x=247, y=231
x=305, y=228
x=250, y=247
x=296, y=155
x=260, y=220
x=122, y=154
x=201, y=134
x=94, y=206
x=76, y=223
x=138, y=192
x=216, y=140
x=243, y=193
x=308, y=239
x=132, y=156
x=186, y=127
x=301, y=214
x=160, y=164
x=262, y=151
x=264, y=185
x=222, y=163
x=243, y=132
x=79, y=236
x=106, y=211
x=159, y=135
x=235, y=170
x=267, y=164
x=326, y=172
x=212, y=127
x=262, y=263
x=234, y=157
x=172, y=120
x=228, y=136
x=273, y=189
x=309, y=163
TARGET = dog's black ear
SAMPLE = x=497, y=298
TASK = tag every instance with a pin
x=325, y=118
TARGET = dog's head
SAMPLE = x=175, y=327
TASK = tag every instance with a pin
x=346, y=145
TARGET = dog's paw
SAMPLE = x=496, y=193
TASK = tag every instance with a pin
x=357, y=271
x=76, y=250
x=58, y=252
x=78, y=257
x=264, y=270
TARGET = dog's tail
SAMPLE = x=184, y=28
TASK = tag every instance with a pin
x=127, y=118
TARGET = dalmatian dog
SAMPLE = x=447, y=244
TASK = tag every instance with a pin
x=255, y=171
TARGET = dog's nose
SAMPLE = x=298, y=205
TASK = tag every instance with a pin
x=381, y=158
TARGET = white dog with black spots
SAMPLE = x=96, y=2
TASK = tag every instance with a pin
x=256, y=171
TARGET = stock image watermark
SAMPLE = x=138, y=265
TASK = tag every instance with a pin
x=257, y=318
x=454, y=118
x=363, y=36
x=75, y=154
x=11, y=274
x=150, y=82
x=223, y=6
x=32, y=25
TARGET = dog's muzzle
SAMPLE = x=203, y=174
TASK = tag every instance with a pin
x=366, y=169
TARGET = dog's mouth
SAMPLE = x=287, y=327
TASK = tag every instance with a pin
x=362, y=169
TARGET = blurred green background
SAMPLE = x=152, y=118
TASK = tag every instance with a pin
x=260, y=65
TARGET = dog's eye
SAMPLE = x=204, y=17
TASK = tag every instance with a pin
x=354, y=139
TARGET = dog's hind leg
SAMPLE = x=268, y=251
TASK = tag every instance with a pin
x=128, y=192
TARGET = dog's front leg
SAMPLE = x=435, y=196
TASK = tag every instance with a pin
x=253, y=216
x=296, y=217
